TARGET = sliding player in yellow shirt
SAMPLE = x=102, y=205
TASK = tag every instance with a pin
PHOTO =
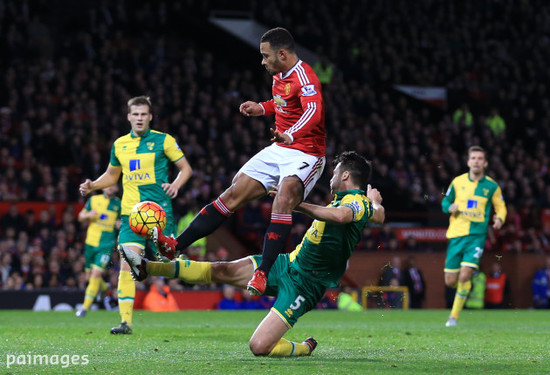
x=299, y=279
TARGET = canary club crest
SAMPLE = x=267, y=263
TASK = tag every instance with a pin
x=485, y=191
x=150, y=145
x=287, y=89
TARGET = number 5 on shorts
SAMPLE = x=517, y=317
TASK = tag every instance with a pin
x=297, y=303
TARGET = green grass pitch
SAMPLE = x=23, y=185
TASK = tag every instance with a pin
x=216, y=342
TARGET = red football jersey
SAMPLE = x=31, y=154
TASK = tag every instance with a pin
x=299, y=109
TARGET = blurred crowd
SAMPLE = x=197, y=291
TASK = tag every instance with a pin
x=66, y=76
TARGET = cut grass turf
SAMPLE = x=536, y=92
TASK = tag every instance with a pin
x=216, y=342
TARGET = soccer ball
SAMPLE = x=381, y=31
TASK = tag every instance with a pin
x=145, y=216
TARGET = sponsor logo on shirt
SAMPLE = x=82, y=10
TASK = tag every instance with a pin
x=137, y=177
x=470, y=214
x=308, y=90
x=103, y=217
x=135, y=164
x=279, y=101
x=471, y=203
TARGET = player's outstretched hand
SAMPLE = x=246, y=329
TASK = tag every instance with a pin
x=170, y=190
x=280, y=137
x=250, y=108
x=374, y=195
x=453, y=208
x=497, y=222
x=85, y=187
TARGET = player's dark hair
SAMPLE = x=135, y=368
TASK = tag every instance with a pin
x=140, y=100
x=476, y=149
x=279, y=38
x=359, y=167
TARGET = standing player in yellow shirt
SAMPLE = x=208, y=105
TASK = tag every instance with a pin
x=142, y=157
x=469, y=200
x=102, y=212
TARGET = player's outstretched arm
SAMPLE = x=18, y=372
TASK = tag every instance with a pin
x=334, y=215
x=379, y=214
x=251, y=108
x=110, y=177
x=85, y=215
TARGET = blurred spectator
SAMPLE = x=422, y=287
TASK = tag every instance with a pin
x=541, y=287
x=368, y=240
x=347, y=302
x=463, y=116
x=476, y=298
x=390, y=271
x=228, y=301
x=198, y=250
x=497, y=290
x=413, y=279
x=386, y=235
x=393, y=299
x=251, y=302
x=496, y=123
x=324, y=70
x=160, y=297
x=412, y=245
x=5, y=267
x=13, y=219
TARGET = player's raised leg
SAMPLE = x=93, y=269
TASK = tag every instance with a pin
x=236, y=273
x=243, y=189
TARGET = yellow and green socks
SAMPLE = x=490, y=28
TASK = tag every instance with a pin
x=285, y=348
x=187, y=270
x=94, y=285
x=462, y=291
x=126, y=295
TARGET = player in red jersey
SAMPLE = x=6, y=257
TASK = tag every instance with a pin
x=293, y=163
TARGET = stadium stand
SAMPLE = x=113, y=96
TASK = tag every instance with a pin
x=67, y=71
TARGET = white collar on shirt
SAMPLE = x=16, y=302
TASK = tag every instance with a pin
x=291, y=69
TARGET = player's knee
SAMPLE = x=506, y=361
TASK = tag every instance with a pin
x=259, y=347
x=288, y=198
x=451, y=284
x=123, y=265
x=451, y=281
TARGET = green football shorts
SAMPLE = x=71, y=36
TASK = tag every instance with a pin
x=296, y=294
x=464, y=251
x=128, y=237
x=98, y=256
